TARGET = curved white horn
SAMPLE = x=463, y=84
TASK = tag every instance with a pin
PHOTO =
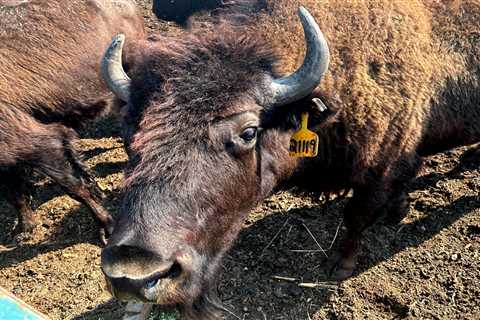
x=112, y=69
x=301, y=83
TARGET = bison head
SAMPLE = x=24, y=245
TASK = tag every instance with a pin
x=207, y=124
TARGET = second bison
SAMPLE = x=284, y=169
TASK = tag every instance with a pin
x=50, y=83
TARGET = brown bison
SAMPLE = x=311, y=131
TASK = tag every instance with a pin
x=180, y=10
x=50, y=83
x=209, y=116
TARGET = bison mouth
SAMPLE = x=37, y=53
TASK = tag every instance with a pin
x=185, y=281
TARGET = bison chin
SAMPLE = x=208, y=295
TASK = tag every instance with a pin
x=197, y=301
x=201, y=302
x=206, y=306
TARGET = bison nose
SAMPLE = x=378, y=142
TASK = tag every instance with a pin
x=134, y=273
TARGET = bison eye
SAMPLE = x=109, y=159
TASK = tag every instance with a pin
x=249, y=134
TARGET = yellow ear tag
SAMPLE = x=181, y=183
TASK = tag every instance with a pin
x=304, y=143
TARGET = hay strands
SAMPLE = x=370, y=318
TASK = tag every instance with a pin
x=310, y=285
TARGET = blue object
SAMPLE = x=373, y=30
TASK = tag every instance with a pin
x=13, y=309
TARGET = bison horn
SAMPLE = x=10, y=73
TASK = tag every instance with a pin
x=112, y=69
x=301, y=83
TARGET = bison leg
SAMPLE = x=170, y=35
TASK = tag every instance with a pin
x=17, y=185
x=397, y=206
x=360, y=213
x=82, y=171
x=368, y=204
x=64, y=166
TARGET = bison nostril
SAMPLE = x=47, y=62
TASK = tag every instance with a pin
x=173, y=272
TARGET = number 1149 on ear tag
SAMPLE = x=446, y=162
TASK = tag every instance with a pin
x=304, y=143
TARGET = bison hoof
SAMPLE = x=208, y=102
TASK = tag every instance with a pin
x=24, y=228
x=339, y=274
x=343, y=269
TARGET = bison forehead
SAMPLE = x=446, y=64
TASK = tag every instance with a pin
x=202, y=74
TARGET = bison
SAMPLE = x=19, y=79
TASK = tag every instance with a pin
x=180, y=10
x=209, y=115
x=50, y=83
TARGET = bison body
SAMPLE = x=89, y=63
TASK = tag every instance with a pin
x=208, y=139
x=50, y=83
x=180, y=10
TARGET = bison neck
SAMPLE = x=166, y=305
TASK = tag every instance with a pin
x=329, y=171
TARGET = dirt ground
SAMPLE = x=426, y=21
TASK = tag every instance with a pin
x=427, y=267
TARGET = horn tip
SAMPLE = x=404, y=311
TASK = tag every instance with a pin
x=117, y=42
x=303, y=11
x=119, y=38
x=305, y=15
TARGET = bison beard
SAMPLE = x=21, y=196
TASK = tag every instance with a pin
x=403, y=82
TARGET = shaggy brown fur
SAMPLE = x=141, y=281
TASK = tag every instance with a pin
x=399, y=87
x=49, y=80
x=408, y=78
x=51, y=52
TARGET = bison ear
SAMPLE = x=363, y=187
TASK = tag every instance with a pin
x=322, y=108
